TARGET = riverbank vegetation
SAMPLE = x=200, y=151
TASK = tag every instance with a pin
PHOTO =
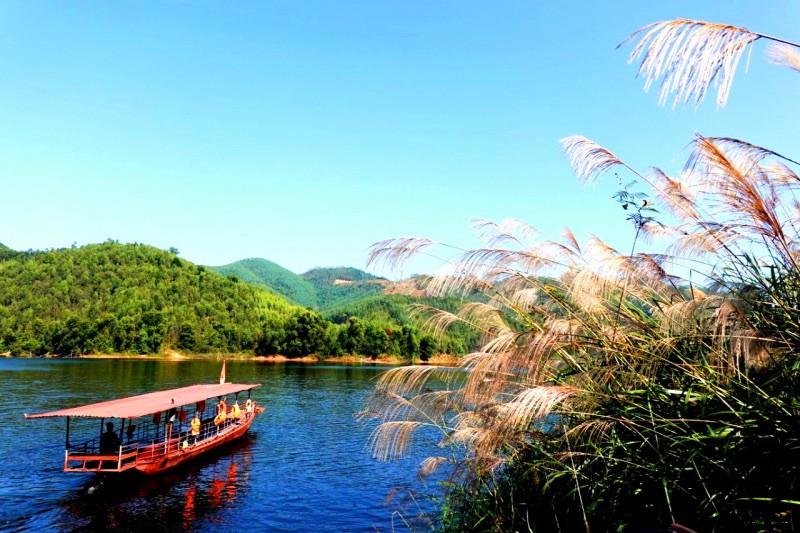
x=612, y=393
x=135, y=299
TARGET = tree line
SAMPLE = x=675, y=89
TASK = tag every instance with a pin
x=138, y=299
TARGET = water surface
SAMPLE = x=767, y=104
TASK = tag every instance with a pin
x=302, y=467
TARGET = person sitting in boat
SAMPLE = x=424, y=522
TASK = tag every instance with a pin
x=222, y=412
x=235, y=410
x=195, y=428
x=248, y=407
x=130, y=432
x=109, y=441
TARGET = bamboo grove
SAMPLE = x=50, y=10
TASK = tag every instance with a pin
x=610, y=392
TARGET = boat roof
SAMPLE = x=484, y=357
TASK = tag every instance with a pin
x=153, y=402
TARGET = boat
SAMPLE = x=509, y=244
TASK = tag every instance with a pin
x=159, y=430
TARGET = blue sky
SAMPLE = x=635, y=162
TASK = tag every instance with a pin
x=303, y=132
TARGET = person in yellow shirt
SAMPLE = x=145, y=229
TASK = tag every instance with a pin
x=222, y=413
x=222, y=407
x=194, y=425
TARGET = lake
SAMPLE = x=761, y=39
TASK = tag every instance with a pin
x=304, y=465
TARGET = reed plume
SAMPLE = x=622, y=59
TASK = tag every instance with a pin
x=575, y=333
x=691, y=56
x=608, y=385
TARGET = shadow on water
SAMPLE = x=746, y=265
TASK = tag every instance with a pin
x=173, y=501
x=307, y=470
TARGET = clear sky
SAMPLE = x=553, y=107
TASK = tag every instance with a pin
x=303, y=132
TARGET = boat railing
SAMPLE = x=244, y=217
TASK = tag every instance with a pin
x=78, y=459
x=183, y=439
x=145, y=442
x=91, y=446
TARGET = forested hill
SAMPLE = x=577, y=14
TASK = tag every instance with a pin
x=340, y=286
x=113, y=297
x=133, y=298
x=7, y=253
x=340, y=294
x=320, y=289
x=273, y=277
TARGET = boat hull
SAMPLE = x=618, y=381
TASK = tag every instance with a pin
x=164, y=455
x=177, y=455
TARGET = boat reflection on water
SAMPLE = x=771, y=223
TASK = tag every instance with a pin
x=203, y=490
x=221, y=493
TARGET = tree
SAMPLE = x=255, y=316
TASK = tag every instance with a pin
x=407, y=342
x=352, y=336
x=376, y=340
x=427, y=347
x=151, y=333
x=305, y=334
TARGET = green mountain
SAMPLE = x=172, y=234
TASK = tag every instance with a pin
x=273, y=277
x=342, y=293
x=132, y=298
x=393, y=310
x=339, y=286
x=7, y=253
x=319, y=289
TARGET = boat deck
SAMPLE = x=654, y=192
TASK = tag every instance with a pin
x=168, y=451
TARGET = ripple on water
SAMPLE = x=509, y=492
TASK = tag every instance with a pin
x=303, y=467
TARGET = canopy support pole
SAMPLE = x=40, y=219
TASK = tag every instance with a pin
x=67, y=438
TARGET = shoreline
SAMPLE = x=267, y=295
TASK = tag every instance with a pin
x=172, y=355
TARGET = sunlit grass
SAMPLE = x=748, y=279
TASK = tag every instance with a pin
x=611, y=393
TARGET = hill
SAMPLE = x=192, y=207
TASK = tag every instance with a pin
x=273, y=277
x=8, y=253
x=342, y=293
x=319, y=288
x=395, y=310
x=133, y=298
x=339, y=286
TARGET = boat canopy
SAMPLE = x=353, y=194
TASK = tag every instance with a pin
x=153, y=402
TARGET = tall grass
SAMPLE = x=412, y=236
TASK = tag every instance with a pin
x=611, y=393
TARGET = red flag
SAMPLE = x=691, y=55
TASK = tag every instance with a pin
x=222, y=374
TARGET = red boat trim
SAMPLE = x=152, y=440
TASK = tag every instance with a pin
x=145, y=404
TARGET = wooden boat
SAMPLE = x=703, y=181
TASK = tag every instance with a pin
x=155, y=432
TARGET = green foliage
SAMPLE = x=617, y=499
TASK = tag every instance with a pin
x=376, y=340
x=714, y=453
x=337, y=287
x=320, y=288
x=388, y=309
x=393, y=311
x=272, y=277
x=640, y=210
x=326, y=276
x=305, y=334
x=132, y=298
x=127, y=298
x=427, y=347
x=407, y=342
x=611, y=394
x=7, y=253
x=344, y=293
x=351, y=337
